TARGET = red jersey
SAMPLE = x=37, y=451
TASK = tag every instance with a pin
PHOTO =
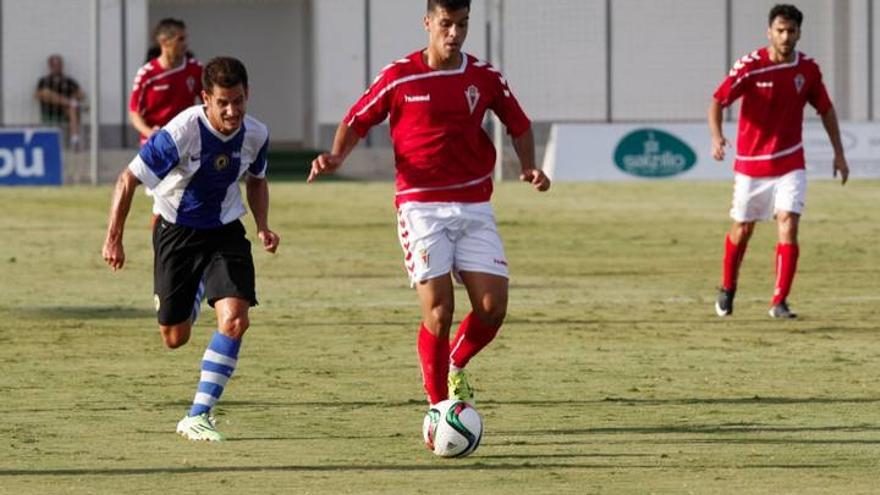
x=441, y=151
x=769, y=141
x=160, y=94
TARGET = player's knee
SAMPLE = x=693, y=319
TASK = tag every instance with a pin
x=439, y=319
x=174, y=336
x=492, y=315
x=235, y=326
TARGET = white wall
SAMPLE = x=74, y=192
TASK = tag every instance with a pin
x=270, y=37
x=665, y=57
x=555, y=58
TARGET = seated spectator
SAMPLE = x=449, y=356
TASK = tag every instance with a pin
x=60, y=99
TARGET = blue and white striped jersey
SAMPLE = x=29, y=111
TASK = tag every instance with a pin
x=193, y=170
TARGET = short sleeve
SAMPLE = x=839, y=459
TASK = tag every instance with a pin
x=158, y=156
x=373, y=106
x=818, y=95
x=260, y=163
x=508, y=109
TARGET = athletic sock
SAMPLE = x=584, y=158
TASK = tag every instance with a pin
x=218, y=363
x=197, y=304
x=733, y=257
x=472, y=336
x=434, y=357
x=786, y=265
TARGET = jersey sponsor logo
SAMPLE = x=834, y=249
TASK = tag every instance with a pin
x=799, y=81
x=221, y=162
x=472, y=93
x=417, y=98
x=653, y=153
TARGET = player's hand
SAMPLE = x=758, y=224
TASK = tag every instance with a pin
x=719, y=145
x=841, y=166
x=325, y=163
x=114, y=254
x=269, y=239
x=536, y=178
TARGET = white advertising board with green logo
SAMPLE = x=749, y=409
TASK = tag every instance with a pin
x=617, y=152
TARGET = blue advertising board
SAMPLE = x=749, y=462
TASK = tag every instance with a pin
x=30, y=157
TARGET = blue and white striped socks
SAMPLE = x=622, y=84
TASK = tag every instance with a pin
x=218, y=363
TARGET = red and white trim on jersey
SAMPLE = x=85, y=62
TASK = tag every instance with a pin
x=753, y=57
x=441, y=151
x=404, y=80
x=416, y=190
x=773, y=156
x=769, y=141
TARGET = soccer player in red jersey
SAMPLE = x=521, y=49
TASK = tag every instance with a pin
x=436, y=99
x=167, y=84
x=775, y=83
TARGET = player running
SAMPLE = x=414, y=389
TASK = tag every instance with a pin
x=774, y=83
x=193, y=165
x=436, y=99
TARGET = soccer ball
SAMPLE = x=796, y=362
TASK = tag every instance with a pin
x=452, y=428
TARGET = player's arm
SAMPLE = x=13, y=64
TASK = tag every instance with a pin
x=719, y=142
x=258, y=201
x=524, y=145
x=113, y=252
x=138, y=122
x=326, y=163
x=832, y=127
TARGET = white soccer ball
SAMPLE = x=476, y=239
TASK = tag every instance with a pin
x=452, y=428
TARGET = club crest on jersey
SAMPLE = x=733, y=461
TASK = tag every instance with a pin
x=799, y=82
x=191, y=83
x=472, y=93
x=221, y=162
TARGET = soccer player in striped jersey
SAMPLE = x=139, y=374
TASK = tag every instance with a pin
x=775, y=83
x=436, y=99
x=193, y=165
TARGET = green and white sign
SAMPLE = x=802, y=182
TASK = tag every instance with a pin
x=653, y=153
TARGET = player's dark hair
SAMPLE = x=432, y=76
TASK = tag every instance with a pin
x=226, y=72
x=449, y=5
x=168, y=26
x=786, y=11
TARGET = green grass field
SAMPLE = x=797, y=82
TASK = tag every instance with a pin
x=611, y=375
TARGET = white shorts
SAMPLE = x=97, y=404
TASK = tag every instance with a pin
x=757, y=198
x=439, y=238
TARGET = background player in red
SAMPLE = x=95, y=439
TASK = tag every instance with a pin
x=167, y=84
x=436, y=99
x=775, y=83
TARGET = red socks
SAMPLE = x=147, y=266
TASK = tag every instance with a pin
x=472, y=336
x=434, y=356
x=786, y=265
x=733, y=257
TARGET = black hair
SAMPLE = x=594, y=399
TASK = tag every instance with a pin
x=786, y=11
x=226, y=72
x=168, y=26
x=449, y=5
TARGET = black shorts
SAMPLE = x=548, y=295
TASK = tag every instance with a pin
x=183, y=255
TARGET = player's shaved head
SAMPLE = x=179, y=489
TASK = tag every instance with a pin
x=786, y=11
x=448, y=5
x=226, y=72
